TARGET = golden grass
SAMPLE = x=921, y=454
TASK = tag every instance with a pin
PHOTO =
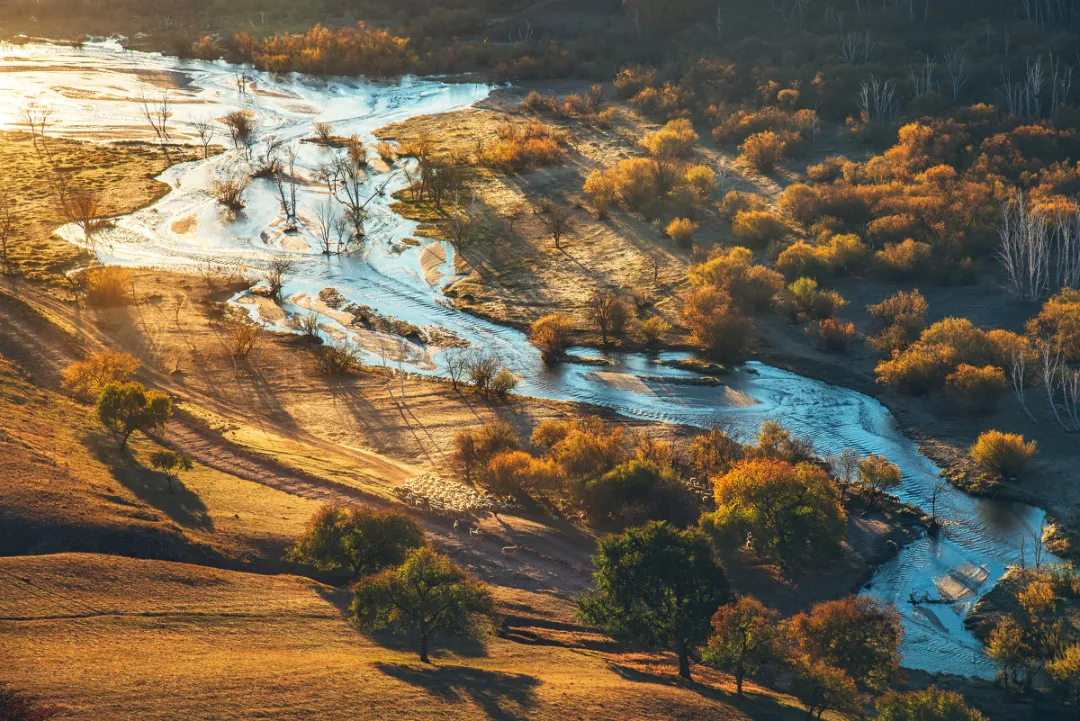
x=65, y=481
x=123, y=174
x=112, y=637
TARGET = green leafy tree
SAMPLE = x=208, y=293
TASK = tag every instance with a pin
x=171, y=464
x=124, y=408
x=428, y=595
x=858, y=635
x=932, y=704
x=656, y=586
x=362, y=539
x=744, y=639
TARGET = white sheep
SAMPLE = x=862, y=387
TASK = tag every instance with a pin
x=476, y=532
x=509, y=550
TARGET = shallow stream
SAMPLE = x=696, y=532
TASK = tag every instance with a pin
x=95, y=93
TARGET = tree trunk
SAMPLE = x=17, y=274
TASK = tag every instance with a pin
x=738, y=683
x=684, y=661
x=423, y=649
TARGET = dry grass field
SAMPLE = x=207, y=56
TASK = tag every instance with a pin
x=113, y=637
x=122, y=174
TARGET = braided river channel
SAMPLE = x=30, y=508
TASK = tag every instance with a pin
x=95, y=93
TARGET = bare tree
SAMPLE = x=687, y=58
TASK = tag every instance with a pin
x=956, y=68
x=347, y=180
x=285, y=179
x=877, y=101
x=1062, y=386
x=558, y=221
x=1025, y=249
x=277, y=274
x=656, y=258
x=243, y=129
x=157, y=114
x=82, y=207
x=326, y=218
x=922, y=80
x=465, y=221
x=206, y=130
x=1018, y=375
x=454, y=362
x=8, y=228
x=609, y=312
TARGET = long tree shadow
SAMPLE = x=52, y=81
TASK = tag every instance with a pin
x=502, y=696
x=151, y=487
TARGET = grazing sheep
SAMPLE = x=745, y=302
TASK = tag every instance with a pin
x=509, y=550
x=476, y=532
x=457, y=525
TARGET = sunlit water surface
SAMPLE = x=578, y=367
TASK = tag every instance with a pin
x=95, y=93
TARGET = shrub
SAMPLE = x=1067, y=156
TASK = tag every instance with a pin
x=835, y=335
x=481, y=369
x=715, y=325
x=504, y=383
x=1005, y=454
x=763, y=151
x=474, y=448
x=682, y=230
x=785, y=511
x=812, y=302
x=758, y=227
x=601, y=191
x=653, y=330
x=932, y=704
x=905, y=308
x=521, y=146
x=551, y=334
x=336, y=359
x=609, y=312
x=108, y=286
x=87, y=377
x=582, y=448
x=230, y=191
x=844, y=253
x=919, y=369
x=515, y=472
x=701, y=179
x=242, y=334
x=751, y=287
x=18, y=706
x=801, y=260
x=776, y=442
x=635, y=492
x=534, y=102
x=386, y=152
x=1059, y=322
x=635, y=181
x=674, y=140
x=735, y=202
x=905, y=259
x=975, y=389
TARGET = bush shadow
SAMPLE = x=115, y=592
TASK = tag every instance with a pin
x=182, y=505
x=501, y=696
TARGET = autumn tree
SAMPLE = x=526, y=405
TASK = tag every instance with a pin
x=1065, y=671
x=87, y=377
x=124, y=408
x=876, y=475
x=715, y=325
x=932, y=704
x=171, y=463
x=743, y=640
x=859, y=635
x=362, y=539
x=427, y=595
x=1023, y=641
x=609, y=312
x=551, y=335
x=475, y=447
x=656, y=586
x=782, y=510
x=821, y=686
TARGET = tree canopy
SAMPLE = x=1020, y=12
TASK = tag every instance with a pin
x=124, y=408
x=656, y=586
x=362, y=539
x=427, y=595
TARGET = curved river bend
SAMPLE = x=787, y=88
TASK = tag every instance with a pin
x=95, y=92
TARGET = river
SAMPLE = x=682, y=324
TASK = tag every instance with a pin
x=95, y=92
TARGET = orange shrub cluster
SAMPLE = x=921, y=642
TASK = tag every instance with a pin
x=750, y=287
x=358, y=50
x=928, y=362
x=523, y=146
